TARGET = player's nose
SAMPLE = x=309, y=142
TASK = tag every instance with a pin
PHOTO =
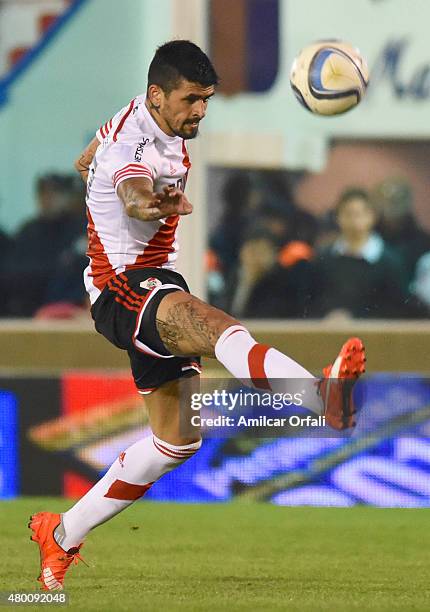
x=199, y=110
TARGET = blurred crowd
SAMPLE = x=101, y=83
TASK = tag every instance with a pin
x=366, y=258
x=41, y=265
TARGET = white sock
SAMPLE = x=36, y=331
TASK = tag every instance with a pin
x=265, y=367
x=128, y=478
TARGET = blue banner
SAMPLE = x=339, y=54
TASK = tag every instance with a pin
x=9, y=462
x=384, y=462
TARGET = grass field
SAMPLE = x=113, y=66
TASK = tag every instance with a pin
x=235, y=557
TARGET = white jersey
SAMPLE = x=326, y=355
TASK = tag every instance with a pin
x=131, y=145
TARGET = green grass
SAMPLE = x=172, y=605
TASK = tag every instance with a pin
x=235, y=557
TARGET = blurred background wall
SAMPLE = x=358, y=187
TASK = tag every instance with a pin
x=61, y=79
x=94, y=64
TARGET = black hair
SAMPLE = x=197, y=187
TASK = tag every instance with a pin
x=180, y=59
x=60, y=183
x=353, y=193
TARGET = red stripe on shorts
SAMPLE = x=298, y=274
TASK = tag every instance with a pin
x=124, y=278
x=115, y=285
x=126, y=304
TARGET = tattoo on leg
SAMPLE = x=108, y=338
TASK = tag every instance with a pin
x=188, y=329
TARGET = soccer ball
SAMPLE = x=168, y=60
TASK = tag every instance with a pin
x=329, y=77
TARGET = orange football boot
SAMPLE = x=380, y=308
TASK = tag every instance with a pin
x=338, y=382
x=54, y=561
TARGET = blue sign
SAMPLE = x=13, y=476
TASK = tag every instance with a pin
x=9, y=462
x=385, y=462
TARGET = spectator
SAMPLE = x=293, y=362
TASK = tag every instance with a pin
x=265, y=288
x=274, y=221
x=76, y=205
x=394, y=202
x=66, y=285
x=287, y=224
x=420, y=287
x=327, y=231
x=260, y=199
x=359, y=274
x=226, y=239
x=260, y=202
x=215, y=280
x=278, y=212
x=38, y=246
x=5, y=246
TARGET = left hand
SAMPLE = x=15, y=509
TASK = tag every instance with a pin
x=173, y=201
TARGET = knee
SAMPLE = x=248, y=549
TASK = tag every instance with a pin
x=225, y=321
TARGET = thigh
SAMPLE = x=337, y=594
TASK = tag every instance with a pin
x=189, y=326
x=170, y=413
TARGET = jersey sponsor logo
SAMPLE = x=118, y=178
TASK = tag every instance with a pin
x=151, y=283
x=140, y=148
x=121, y=459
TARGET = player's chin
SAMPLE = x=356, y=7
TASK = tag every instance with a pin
x=189, y=131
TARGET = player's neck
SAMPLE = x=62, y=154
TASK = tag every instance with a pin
x=155, y=114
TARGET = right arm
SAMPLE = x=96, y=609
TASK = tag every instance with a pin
x=142, y=203
x=82, y=165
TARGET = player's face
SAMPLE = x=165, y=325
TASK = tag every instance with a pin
x=184, y=107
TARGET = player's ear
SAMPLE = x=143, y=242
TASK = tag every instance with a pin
x=155, y=95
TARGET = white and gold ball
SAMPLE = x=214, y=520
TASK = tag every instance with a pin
x=329, y=77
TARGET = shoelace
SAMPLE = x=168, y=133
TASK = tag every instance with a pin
x=75, y=557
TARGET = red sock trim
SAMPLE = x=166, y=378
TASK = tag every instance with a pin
x=127, y=491
x=256, y=366
x=236, y=331
x=175, y=454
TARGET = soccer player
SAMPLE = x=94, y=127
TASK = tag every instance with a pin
x=136, y=170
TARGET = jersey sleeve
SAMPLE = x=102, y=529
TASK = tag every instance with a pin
x=140, y=160
x=105, y=129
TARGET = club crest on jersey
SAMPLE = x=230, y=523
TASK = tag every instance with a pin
x=151, y=283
